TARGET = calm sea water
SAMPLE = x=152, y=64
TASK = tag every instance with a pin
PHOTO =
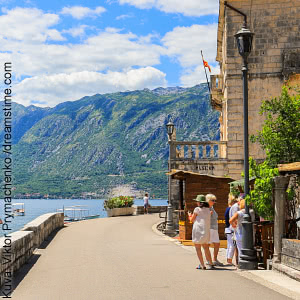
x=37, y=207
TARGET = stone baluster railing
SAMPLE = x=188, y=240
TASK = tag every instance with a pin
x=199, y=150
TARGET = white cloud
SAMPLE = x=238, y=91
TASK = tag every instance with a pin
x=54, y=89
x=111, y=60
x=55, y=35
x=123, y=17
x=184, y=44
x=76, y=31
x=194, y=76
x=107, y=50
x=186, y=7
x=28, y=24
x=55, y=67
x=80, y=12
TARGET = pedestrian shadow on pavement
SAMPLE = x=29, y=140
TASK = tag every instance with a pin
x=225, y=268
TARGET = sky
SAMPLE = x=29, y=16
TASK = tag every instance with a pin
x=62, y=50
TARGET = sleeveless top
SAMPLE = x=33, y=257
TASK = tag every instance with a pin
x=201, y=226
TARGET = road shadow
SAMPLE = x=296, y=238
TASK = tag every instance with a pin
x=24, y=270
x=50, y=237
x=20, y=274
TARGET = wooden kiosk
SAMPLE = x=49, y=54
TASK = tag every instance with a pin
x=193, y=185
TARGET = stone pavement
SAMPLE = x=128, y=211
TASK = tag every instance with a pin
x=269, y=278
x=122, y=258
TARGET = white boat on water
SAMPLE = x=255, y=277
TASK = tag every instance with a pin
x=19, y=209
x=76, y=213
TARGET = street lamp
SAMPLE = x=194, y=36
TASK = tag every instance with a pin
x=248, y=259
x=170, y=226
x=244, y=38
x=170, y=129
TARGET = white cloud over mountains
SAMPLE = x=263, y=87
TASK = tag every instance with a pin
x=187, y=7
x=80, y=12
x=108, y=61
x=49, y=90
x=107, y=50
x=32, y=55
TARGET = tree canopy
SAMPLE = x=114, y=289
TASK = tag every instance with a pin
x=280, y=138
x=280, y=134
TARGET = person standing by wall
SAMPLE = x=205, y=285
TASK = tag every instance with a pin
x=229, y=231
x=201, y=230
x=214, y=234
x=146, y=203
x=235, y=208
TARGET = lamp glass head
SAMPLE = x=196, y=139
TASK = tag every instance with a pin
x=244, y=38
x=170, y=128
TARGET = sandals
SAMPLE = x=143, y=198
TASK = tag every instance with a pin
x=210, y=267
x=201, y=268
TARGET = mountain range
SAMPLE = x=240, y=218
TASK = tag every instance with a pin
x=102, y=144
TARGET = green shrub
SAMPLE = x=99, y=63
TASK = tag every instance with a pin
x=118, y=202
x=261, y=195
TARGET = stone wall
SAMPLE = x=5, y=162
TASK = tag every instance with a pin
x=290, y=255
x=14, y=252
x=43, y=225
x=17, y=248
x=139, y=210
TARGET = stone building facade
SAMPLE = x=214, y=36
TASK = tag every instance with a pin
x=274, y=61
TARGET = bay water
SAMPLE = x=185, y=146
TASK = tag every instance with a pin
x=36, y=207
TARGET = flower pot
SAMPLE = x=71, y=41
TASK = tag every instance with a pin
x=122, y=211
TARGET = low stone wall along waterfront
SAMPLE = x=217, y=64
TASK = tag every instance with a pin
x=139, y=210
x=43, y=225
x=17, y=248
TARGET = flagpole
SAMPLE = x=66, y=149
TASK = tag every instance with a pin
x=205, y=72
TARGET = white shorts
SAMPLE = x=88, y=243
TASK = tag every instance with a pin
x=230, y=246
x=214, y=236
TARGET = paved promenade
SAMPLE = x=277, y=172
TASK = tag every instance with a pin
x=122, y=258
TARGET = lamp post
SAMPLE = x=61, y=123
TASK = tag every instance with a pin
x=170, y=226
x=248, y=259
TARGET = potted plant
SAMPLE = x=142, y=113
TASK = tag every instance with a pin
x=119, y=206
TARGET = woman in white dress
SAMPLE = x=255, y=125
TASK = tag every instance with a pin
x=201, y=230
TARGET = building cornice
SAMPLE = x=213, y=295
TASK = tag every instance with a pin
x=220, y=30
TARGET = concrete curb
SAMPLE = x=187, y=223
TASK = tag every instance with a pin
x=154, y=228
x=290, y=272
x=274, y=281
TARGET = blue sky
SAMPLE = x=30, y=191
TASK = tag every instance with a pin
x=64, y=50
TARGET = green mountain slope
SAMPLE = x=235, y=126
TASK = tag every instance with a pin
x=97, y=143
